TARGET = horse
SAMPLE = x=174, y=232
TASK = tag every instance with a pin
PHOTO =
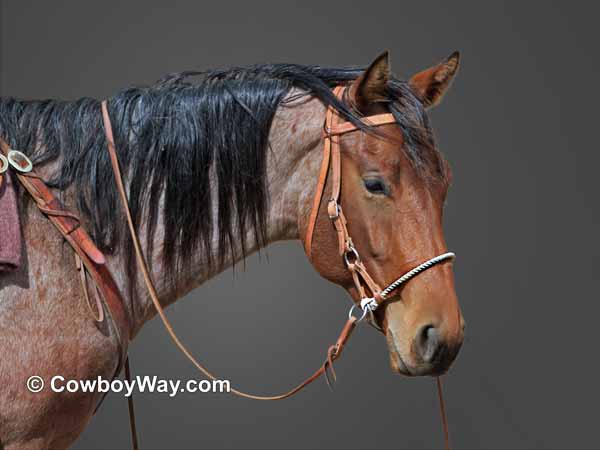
x=218, y=164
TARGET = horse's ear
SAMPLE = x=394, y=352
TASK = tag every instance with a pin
x=431, y=84
x=371, y=86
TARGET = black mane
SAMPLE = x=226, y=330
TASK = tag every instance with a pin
x=175, y=139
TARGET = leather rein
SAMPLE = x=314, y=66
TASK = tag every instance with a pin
x=91, y=260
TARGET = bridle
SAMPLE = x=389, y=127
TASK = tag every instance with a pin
x=91, y=260
x=333, y=129
x=360, y=275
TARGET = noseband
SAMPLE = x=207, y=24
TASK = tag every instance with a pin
x=332, y=158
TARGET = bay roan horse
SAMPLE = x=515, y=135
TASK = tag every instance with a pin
x=214, y=170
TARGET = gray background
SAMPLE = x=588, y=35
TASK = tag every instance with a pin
x=520, y=129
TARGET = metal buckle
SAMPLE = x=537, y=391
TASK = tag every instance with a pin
x=336, y=212
x=20, y=161
x=3, y=164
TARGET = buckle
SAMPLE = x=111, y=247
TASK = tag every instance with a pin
x=3, y=164
x=333, y=209
x=19, y=161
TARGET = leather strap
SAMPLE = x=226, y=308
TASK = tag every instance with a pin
x=371, y=121
x=98, y=313
x=321, y=181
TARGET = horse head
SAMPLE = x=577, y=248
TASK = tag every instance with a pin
x=393, y=186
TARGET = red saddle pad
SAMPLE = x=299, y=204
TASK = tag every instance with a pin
x=10, y=228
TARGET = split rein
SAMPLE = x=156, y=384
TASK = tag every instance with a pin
x=360, y=275
x=91, y=260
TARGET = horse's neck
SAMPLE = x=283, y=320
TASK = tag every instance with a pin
x=292, y=166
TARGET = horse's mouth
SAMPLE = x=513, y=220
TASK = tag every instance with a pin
x=399, y=365
x=402, y=368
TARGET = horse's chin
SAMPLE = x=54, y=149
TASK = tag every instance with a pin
x=400, y=364
x=397, y=362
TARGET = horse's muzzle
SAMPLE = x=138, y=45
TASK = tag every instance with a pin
x=430, y=353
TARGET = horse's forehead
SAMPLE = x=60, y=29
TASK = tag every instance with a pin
x=391, y=158
x=384, y=151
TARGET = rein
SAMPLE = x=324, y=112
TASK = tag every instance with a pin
x=89, y=259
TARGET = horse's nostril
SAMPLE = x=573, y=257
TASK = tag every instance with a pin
x=428, y=343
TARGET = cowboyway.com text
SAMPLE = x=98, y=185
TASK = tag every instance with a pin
x=140, y=383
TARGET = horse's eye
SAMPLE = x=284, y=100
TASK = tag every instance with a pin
x=376, y=186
